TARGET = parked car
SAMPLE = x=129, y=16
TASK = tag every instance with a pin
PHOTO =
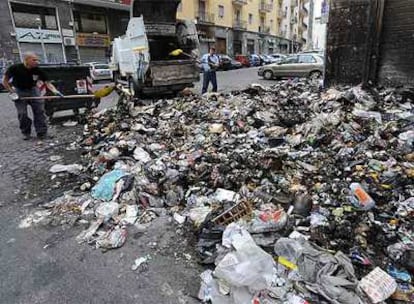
x=264, y=59
x=228, y=63
x=235, y=64
x=254, y=60
x=225, y=62
x=100, y=71
x=301, y=65
x=319, y=52
x=277, y=57
x=243, y=59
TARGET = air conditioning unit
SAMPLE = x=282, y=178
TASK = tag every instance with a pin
x=69, y=41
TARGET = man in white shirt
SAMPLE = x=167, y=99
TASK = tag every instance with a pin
x=210, y=62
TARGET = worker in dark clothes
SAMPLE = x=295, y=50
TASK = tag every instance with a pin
x=22, y=79
x=210, y=63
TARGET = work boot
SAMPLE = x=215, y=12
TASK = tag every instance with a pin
x=44, y=136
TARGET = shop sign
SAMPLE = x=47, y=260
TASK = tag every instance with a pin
x=207, y=40
x=35, y=35
x=324, y=12
x=67, y=33
x=93, y=40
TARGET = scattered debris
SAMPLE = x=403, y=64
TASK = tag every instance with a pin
x=296, y=195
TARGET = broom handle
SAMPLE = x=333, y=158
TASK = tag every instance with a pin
x=57, y=97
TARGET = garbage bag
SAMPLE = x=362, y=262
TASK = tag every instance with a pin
x=332, y=277
x=104, y=189
x=248, y=265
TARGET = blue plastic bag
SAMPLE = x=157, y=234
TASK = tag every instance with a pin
x=104, y=189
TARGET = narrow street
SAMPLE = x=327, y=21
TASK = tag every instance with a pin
x=236, y=79
x=296, y=190
x=47, y=265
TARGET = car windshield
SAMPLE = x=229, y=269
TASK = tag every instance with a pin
x=101, y=66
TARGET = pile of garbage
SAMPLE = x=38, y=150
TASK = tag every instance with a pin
x=296, y=195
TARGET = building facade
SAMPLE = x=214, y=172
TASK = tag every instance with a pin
x=238, y=26
x=82, y=30
x=319, y=25
x=60, y=30
x=296, y=20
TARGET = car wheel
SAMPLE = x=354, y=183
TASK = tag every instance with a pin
x=268, y=75
x=315, y=75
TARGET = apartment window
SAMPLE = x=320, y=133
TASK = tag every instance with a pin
x=90, y=22
x=250, y=18
x=237, y=15
x=221, y=11
x=28, y=16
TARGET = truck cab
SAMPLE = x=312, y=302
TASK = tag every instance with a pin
x=142, y=57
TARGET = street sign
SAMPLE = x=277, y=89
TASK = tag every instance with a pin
x=325, y=11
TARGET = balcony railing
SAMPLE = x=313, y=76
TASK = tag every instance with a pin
x=239, y=24
x=203, y=17
x=264, y=29
x=240, y=2
x=282, y=33
x=265, y=7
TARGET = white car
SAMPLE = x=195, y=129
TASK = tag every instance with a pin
x=100, y=71
x=277, y=57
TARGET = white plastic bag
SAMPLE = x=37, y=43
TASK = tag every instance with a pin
x=247, y=266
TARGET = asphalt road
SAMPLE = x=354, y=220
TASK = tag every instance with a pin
x=235, y=79
x=47, y=265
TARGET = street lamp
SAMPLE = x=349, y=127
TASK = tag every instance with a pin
x=39, y=27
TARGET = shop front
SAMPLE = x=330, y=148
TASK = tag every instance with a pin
x=93, y=47
x=37, y=31
x=47, y=44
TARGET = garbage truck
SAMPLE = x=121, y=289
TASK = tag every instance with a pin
x=143, y=58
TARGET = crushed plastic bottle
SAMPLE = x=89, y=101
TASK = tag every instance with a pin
x=361, y=198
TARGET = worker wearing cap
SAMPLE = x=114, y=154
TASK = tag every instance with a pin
x=21, y=79
x=210, y=62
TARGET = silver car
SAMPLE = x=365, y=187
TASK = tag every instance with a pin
x=100, y=71
x=299, y=65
